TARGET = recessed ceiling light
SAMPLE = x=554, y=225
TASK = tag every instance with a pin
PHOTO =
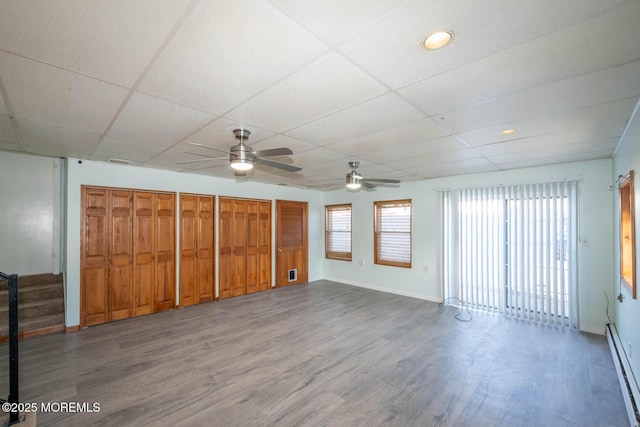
x=437, y=39
x=508, y=132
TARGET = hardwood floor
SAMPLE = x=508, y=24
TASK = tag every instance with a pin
x=322, y=354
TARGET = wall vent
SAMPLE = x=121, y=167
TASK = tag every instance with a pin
x=120, y=161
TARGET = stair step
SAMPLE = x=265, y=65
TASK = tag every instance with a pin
x=40, y=305
x=40, y=322
x=34, y=293
x=33, y=309
x=30, y=280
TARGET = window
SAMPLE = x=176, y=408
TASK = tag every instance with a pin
x=338, y=232
x=627, y=234
x=392, y=233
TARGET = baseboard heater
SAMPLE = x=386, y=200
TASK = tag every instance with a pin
x=627, y=382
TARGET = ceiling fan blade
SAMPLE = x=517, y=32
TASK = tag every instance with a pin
x=207, y=147
x=365, y=184
x=273, y=152
x=185, y=162
x=383, y=181
x=283, y=166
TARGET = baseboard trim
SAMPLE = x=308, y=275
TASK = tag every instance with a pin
x=630, y=392
x=34, y=333
x=387, y=290
x=594, y=331
x=71, y=329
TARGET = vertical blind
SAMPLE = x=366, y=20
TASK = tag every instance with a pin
x=512, y=249
x=338, y=232
x=392, y=233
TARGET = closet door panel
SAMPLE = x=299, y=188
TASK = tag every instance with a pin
x=252, y=247
x=165, y=284
x=205, y=272
x=238, y=253
x=94, y=257
x=121, y=254
x=143, y=249
x=264, y=246
x=225, y=231
x=188, y=245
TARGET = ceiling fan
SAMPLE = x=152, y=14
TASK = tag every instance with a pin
x=355, y=180
x=242, y=157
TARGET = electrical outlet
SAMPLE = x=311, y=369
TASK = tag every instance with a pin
x=362, y=262
x=425, y=269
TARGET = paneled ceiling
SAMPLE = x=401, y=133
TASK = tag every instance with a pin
x=334, y=80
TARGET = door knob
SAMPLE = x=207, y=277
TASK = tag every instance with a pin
x=279, y=250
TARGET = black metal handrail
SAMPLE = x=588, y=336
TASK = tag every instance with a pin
x=12, y=282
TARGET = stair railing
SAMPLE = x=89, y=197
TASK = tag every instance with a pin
x=12, y=282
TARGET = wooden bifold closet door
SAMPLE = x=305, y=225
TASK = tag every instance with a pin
x=127, y=256
x=197, y=279
x=244, y=246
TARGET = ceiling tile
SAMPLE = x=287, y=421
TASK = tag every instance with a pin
x=397, y=40
x=410, y=133
x=325, y=86
x=219, y=133
x=592, y=155
x=380, y=113
x=437, y=145
x=7, y=134
x=225, y=52
x=88, y=37
x=5, y=146
x=587, y=119
x=336, y=21
x=50, y=95
x=316, y=156
x=277, y=141
x=459, y=167
x=125, y=149
x=595, y=88
x=435, y=158
x=605, y=131
x=155, y=121
x=56, y=141
x=558, y=150
x=454, y=171
x=533, y=63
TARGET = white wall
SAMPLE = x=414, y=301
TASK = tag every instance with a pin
x=28, y=234
x=113, y=175
x=29, y=214
x=595, y=260
x=627, y=312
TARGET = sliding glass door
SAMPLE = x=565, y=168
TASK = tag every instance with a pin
x=511, y=250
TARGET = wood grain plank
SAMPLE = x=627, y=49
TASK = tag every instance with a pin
x=322, y=354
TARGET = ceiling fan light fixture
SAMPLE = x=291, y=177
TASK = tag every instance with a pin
x=240, y=156
x=241, y=165
x=353, y=181
x=437, y=39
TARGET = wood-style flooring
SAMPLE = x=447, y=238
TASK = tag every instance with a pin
x=321, y=354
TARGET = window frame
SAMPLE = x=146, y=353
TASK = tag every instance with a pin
x=340, y=256
x=377, y=233
x=627, y=233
